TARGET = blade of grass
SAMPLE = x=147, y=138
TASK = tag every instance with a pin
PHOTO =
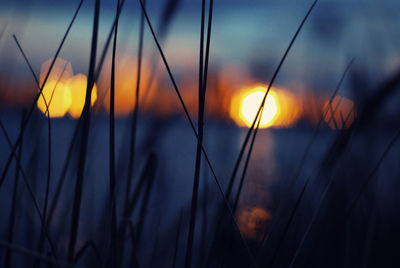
x=313, y=219
x=86, y=246
x=287, y=225
x=135, y=196
x=245, y=166
x=107, y=44
x=8, y=260
x=196, y=180
x=84, y=138
x=113, y=233
x=208, y=41
x=146, y=197
x=135, y=116
x=372, y=173
x=63, y=175
x=176, y=248
x=135, y=262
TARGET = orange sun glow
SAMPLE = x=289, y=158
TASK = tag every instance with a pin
x=244, y=107
x=282, y=108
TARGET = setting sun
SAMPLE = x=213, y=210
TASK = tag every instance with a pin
x=245, y=105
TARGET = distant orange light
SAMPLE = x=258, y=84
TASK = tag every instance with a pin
x=340, y=113
x=125, y=85
x=77, y=86
x=253, y=221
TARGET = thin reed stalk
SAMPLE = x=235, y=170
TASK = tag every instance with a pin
x=196, y=180
x=84, y=138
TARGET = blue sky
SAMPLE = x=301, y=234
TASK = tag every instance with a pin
x=252, y=34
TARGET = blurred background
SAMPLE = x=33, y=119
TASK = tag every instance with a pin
x=342, y=144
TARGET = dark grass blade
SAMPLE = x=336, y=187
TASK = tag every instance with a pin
x=287, y=225
x=194, y=130
x=107, y=44
x=153, y=162
x=31, y=194
x=168, y=13
x=313, y=219
x=61, y=181
x=208, y=41
x=196, y=180
x=207, y=54
x=369, y=238
x=4, y=173
x=63, y=175
x=14, y=206
x=205, y=219
x=351, y=207
x=147, y=177
x=33, y=254
x=132, y=236
x=85, y=248
x=178, y=232
x=136, y=194
x=135, y=115
x=372, y=173
x=146, y=173
x=334, y=111
x=246, y=164
x=84, y=138
x=113, y=233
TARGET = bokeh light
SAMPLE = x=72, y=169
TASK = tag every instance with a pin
x=55, y=91
x=339, y=114
x=77, y=86
x=125, y=85
x=58, y=98
x=253, y=221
